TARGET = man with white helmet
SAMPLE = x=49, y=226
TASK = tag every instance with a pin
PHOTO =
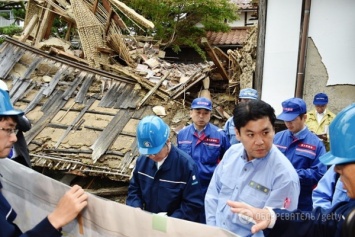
x=19, y=152
x=334, y=222
x=164, y=179
x=245, y=95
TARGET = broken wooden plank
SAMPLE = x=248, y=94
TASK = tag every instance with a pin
x=77, y=81
x=84, y=88
x=153, y=90
x=215, y=59
x=35, y=101
x=110, y=133
x=29, y=28
x=56, y=103
x=76, y=120
x=62, y=72
x=9, y=58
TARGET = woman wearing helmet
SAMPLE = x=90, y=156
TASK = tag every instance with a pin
x=164, y=179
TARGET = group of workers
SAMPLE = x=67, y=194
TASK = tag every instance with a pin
x=245, y=178
x=215, y=172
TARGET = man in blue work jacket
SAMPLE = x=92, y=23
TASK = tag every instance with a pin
x=302, y=147
x=335, y=222
x=164, y=179
x=203, y=141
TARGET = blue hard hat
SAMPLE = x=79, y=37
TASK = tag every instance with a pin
x=342, y=138
x=248, y=93
x=152, y=134
x=6, y=107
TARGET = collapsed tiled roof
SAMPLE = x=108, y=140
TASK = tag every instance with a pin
x=84, y=109
x=83, y=119
x=236, y=36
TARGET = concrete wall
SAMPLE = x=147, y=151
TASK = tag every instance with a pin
x=316, y=78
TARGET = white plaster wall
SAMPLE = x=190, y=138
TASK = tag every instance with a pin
x=281, y=51
x=332, y=28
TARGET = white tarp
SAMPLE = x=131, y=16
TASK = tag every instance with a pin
x=34, y=195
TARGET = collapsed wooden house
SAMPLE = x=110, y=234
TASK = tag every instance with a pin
x=84, y=106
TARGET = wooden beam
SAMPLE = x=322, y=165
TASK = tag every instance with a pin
x=30, y=26
x=214, y=58
x=260, y=54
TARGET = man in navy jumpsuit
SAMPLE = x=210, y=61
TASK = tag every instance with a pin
x=302, y=147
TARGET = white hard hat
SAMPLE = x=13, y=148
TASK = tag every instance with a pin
x=3, y=86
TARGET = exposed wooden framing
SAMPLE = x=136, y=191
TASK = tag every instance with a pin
x=108, y=22
x=200, y=78
x=152, y=91
x=78, y=80
x=260, y=54
x=110, y=95
x=94, y=7
x=45, y=22
x=56, y=104
x=62, y=72
x=76, y=120
x=31, y=67
x=124, y=96
x=29, y=28
x=35, y=101
x=67, y=35
x=9, y=60
x=84, y=88
x=215, y=59
x=107, y=137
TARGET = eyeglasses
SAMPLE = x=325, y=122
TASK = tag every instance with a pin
x=9, y=131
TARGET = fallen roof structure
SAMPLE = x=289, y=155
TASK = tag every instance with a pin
x=84, y=106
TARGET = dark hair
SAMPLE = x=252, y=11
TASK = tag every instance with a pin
x=13, y=117
x=253, y=110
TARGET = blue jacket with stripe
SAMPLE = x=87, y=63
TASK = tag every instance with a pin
x=174, y=188
x=206, y=149
x=303, y=151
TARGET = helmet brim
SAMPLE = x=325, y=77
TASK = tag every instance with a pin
x=329, y=159
x=12, y=112
x=150, y=150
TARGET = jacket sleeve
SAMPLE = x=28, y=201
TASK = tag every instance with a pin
x=134, y=197
x=309, y=224
x=44, y=229
x=192, y=198
x=316, y=170
x=323, y=193
x=211, y=198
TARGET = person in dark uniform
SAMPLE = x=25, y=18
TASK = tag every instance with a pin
x=19, y=151
x=68, y=207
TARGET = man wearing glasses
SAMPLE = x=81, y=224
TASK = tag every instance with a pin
x=67, y=208
x=164, y=180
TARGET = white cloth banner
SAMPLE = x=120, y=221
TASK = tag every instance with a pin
x=34, y=196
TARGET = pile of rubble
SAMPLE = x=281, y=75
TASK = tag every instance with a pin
x=84, y=102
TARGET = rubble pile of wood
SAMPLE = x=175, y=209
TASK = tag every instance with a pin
x=243, y=62
x=85, y=102
x=99, y=29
